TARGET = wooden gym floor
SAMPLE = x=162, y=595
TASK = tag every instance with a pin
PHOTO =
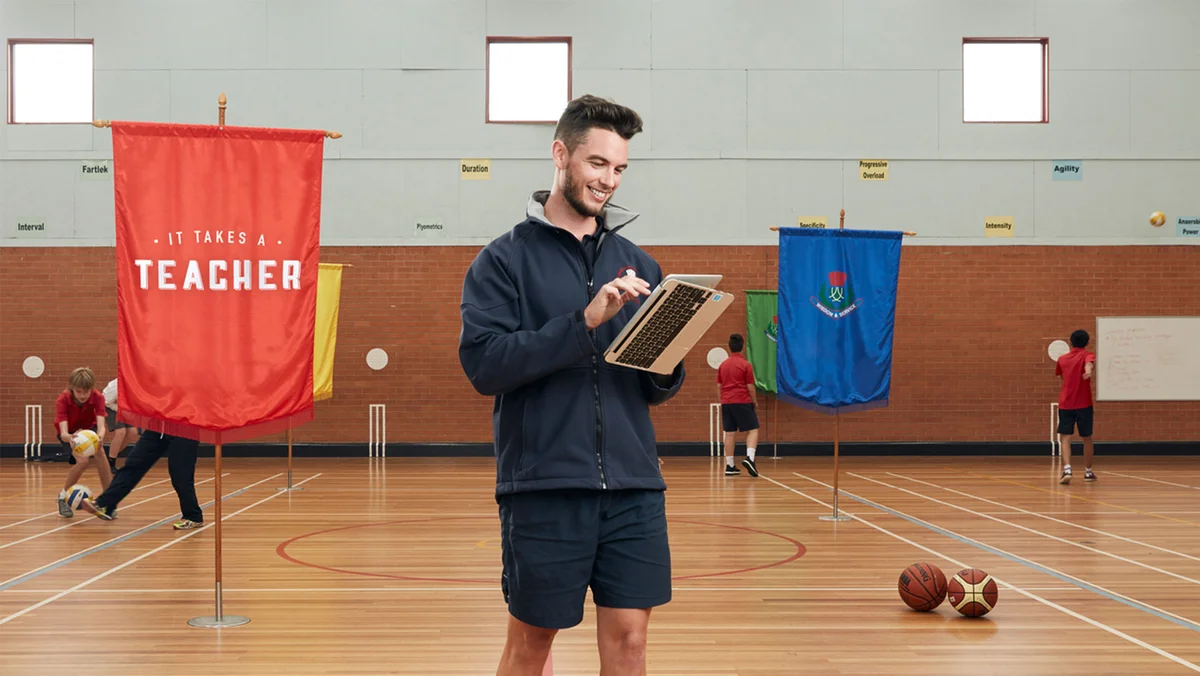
x=391, y=566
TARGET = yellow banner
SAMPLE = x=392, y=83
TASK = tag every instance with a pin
x=329, y=295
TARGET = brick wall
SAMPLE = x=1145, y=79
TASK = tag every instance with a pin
x=970, y=361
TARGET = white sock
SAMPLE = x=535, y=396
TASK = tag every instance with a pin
x=62, y=495
x=729, y=461
x=1066, y=468
x=750, y=454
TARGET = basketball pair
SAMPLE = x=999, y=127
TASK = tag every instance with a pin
x=971, y=592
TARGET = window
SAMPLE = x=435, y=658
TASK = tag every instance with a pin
x=50, y=81
x=1006, y=80
x=528, y=79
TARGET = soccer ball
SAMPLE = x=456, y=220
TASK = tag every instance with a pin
x=85, y=443
x=1157, y=219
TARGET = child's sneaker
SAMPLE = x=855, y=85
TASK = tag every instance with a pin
x=186, y=524
x=64, y=510
x=1066, y=476
x=732, y=470
x=90, y=505
x=749, y=465
x=1089, y=475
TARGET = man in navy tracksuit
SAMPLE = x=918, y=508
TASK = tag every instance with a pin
x=580, y=493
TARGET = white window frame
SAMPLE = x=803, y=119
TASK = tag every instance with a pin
x=1045, y=88
x=13, y=64
x=489, y=118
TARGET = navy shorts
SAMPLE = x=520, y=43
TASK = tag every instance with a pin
x=738, y=417
x=556, y=544
x=1069, y=418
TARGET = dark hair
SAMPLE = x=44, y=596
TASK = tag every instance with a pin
x=588, y=112
x=736, y=342
x=1080, y=338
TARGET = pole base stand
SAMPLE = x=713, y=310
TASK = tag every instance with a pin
x=214, y=622
x=839, y=517
x=290, y=488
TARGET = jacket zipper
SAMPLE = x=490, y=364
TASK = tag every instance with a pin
x=591, y=273
x=599, y=404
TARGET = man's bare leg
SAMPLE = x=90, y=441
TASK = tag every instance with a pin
x=621, y=637
x=526, y=650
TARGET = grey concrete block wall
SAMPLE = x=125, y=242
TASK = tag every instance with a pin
x=757, y=112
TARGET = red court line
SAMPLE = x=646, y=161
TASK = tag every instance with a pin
x=281, y=550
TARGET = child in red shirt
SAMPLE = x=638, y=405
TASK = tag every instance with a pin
x=1077, y=369
x=735, y=385
x=80, y=407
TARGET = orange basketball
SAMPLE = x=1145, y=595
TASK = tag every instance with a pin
x=922, y=586
x=972, y=592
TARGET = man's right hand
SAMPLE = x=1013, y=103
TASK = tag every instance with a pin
x=612, y=297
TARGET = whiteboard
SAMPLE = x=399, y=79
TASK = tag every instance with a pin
x=1148, y=358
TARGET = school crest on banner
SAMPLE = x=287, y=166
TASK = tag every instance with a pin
x=217, y=233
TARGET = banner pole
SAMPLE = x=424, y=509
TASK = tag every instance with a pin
x=775, y=426
x=837, y=432
x=220, y=619
x=290, y=487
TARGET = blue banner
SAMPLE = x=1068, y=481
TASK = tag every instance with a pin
x=837, y=312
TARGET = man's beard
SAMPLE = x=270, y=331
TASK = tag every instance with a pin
x=573, y=193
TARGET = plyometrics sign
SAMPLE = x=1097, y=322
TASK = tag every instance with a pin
x=837, y=311
x=217, y=232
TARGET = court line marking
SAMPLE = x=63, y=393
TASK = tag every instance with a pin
x=451, y=515
x=1050, y=518
x=1016, y=558
x=134, y=560
x=1019, y=590
x=76, y=522
x=42, y=516
x=36, y=572
x=1077, y=497
x=306, y=590
x=1157, y=481
x=1056, y=539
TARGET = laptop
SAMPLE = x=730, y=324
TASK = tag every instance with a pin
x=670, y=321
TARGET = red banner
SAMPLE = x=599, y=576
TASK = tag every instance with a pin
x=218, y=235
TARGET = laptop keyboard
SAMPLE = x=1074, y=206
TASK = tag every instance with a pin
x=662, y=327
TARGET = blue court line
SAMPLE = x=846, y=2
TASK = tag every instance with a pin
x=1038, y=567
x=99, y=548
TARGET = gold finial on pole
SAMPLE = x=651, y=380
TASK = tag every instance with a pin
x=222, y=101
x=842, y=222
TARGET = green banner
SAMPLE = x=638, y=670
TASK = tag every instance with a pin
x=762, y=330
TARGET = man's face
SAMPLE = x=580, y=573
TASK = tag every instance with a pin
x=593, y=171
